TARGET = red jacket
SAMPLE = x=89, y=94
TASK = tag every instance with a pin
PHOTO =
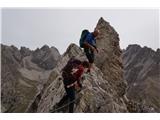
x=79, y=72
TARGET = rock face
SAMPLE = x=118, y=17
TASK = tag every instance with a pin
x=142, y=72
x=109, y=59
x=103, y=90
x=22, y=79
x=25, y=51
x=46, y=57
x=10, y=61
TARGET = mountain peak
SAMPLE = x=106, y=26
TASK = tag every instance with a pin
x=102, y=21
x=73, y=50
x=45, y=47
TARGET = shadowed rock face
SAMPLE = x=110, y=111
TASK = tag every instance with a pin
x=10, y=61
x=142, y=72
x=21, y=78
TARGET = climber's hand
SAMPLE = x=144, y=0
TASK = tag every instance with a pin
x=71, y=85
x=97, y=50
x=76, y=85
x=68, y=86
x=93, y=49
x=74, y=71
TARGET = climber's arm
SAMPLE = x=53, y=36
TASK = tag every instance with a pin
x=79, y=72
x=77, y=75
x=71, y=85
x=87, y=45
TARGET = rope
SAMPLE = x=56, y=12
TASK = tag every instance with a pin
x=63, y=106
x=66, y=104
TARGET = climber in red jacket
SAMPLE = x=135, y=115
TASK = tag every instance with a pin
x=71, y=74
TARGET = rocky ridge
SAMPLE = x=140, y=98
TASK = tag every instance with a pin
x=22, y=76
x=142, y=72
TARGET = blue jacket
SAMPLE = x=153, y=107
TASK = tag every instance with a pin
x=91, y=39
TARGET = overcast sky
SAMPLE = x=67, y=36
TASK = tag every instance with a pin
x=59, y=27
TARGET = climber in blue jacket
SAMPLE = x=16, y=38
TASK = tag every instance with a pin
x=89, y=46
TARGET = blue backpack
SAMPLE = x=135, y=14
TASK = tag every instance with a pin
x=83, y=37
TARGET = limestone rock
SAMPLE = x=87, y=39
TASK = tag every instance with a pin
x=141, y=70
x=25, y=51
x=109, y=59
x=46, y=57
x=21, y=79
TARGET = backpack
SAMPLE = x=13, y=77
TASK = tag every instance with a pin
x=66, y=71
x=83, y=37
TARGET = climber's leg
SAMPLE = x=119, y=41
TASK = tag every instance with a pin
x=90, y=57
x=71, y=94
x=65, y=98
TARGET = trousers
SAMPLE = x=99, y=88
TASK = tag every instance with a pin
x=71, y=96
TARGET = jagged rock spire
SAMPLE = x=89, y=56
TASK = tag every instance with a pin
x=102, y=89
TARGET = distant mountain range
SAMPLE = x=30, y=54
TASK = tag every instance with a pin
x=142, y=72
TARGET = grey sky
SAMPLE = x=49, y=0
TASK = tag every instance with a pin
x=59, y=27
